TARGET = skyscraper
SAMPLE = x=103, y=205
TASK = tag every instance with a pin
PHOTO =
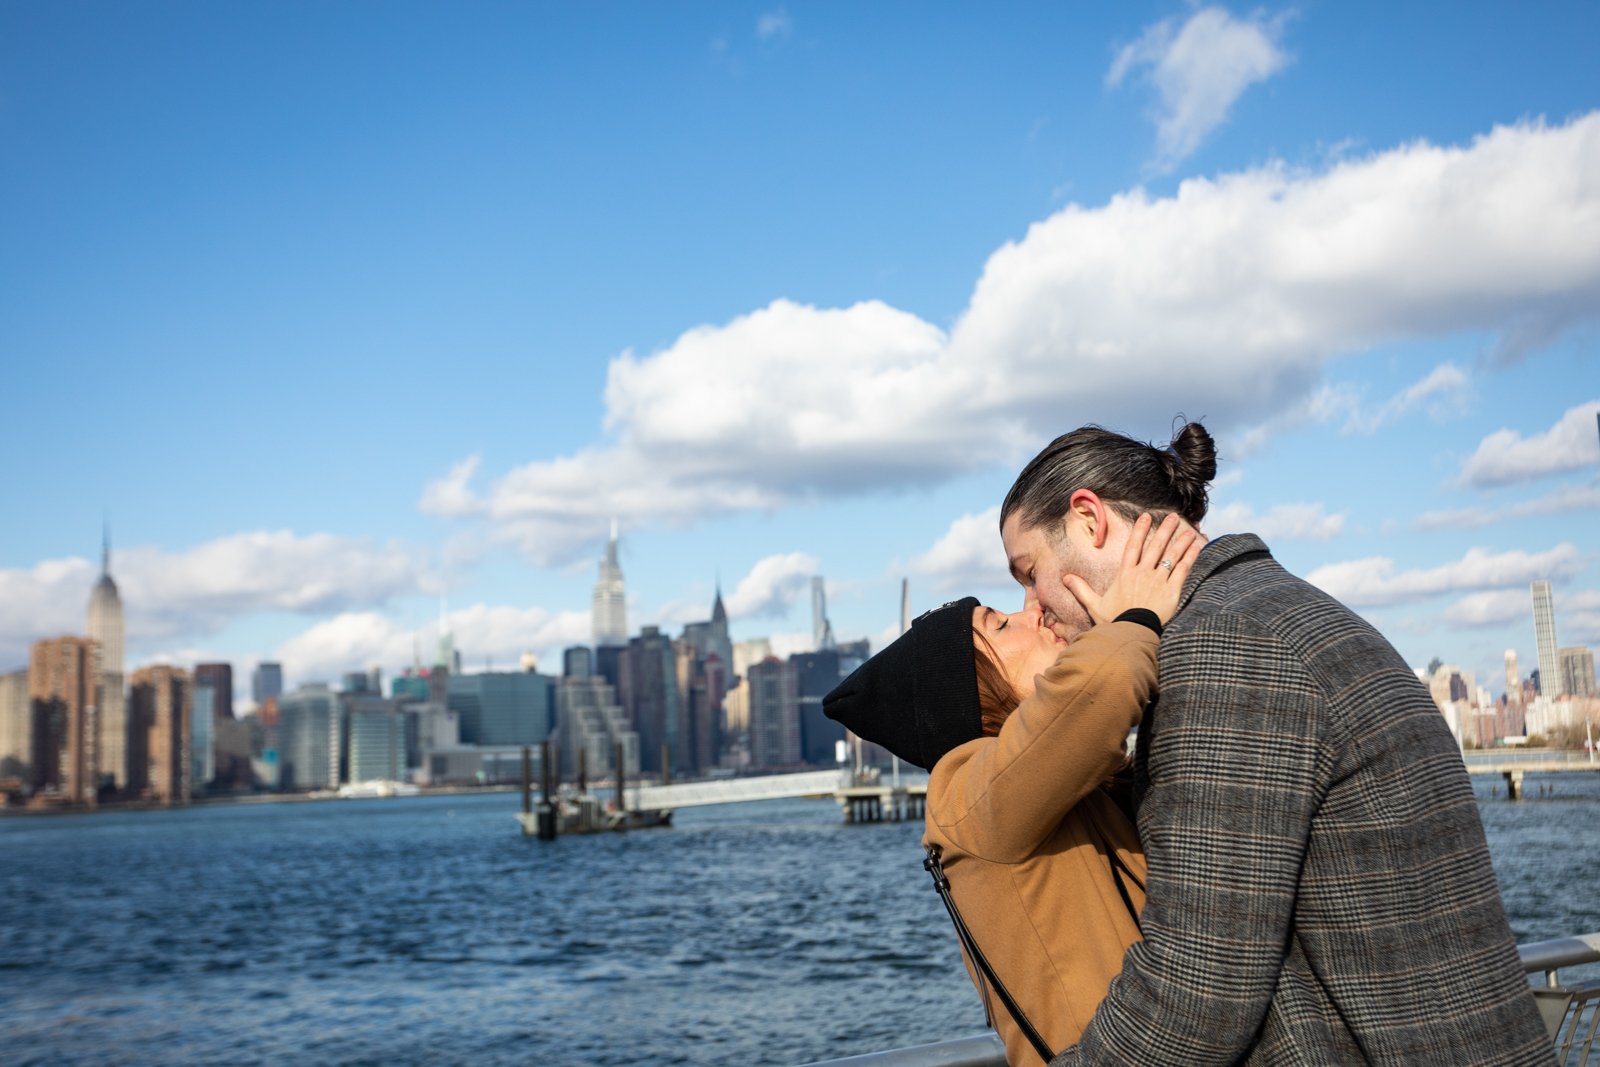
x=160, y=705
x=266, y=681
x=1544, y=635
x=774, y=714
x=821, y=628
x=1577, y=671
x=63, y=694
x=218, y=677
x=105, y=626
x=309, y=738
x=610, y=617
x=16, y=727
x=649, y=694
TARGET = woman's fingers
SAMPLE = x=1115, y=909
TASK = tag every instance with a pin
x=1156, y=546
x=1132, y=551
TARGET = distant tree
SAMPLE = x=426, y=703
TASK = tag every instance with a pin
x=1433, y=666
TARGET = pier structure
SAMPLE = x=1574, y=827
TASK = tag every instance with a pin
x=882, y=803
x=1515, y=766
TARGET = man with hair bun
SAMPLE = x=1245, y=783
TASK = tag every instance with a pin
x=1319, y=886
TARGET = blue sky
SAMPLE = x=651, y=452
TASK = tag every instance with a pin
x=338, y=309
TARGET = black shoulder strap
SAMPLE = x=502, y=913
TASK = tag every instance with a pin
x=942, y=884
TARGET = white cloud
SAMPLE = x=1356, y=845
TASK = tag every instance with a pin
x=1563, y=500
x=1227, y=298
x=1280, y=522
x=1375, y=582
x=1200, y=69
x=968, y=556
x=1506, y=456
x=1494, y=608
x=1444, y=390
x=774, y=24
x=200, y=590
x=1578, y=618
x=452, y=495
x=773, y=585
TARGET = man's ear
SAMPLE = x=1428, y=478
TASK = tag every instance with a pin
x=1085, y=508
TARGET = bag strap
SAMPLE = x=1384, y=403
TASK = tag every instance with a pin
x=942, y=884
x=1118, y=869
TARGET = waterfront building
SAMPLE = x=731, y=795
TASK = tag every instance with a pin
x=1544, y=633
x=1577, y=672
x=308, y=738
x=429, y=728
x=610, y=610
x=63, y=696
x=1511, y=709
x=160, y=708
x=16, y=728
x=650, y=695
x=1453, y=693
x=591, y=723
x=816, y=674
x=218, y=677
x=266, y=681
x=106, y=627
x=202, y=738
x=774, y=714
x=502, y=707
x=376, y=730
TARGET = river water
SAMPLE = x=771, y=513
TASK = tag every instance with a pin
x=427, y=930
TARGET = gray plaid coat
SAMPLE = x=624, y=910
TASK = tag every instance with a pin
x=1320, y=889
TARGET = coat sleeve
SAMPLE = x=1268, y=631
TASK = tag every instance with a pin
x=999, y=797
x=1233, y=786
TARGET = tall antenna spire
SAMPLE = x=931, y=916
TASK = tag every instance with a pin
x=105, y=547
x=905, y=604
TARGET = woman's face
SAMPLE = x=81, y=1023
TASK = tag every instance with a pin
x=1024, y=645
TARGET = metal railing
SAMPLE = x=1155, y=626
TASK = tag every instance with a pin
x=1571, y=1014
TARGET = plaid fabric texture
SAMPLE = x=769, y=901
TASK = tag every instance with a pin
x=1320, y=890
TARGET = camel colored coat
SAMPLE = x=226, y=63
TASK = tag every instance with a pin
x=1020, y=819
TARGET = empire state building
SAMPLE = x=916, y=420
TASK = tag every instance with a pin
x=610, y=617
x=105, y=626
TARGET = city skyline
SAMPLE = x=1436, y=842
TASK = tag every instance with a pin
x=426, y=302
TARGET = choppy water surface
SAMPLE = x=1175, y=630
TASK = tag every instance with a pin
x=427, y=930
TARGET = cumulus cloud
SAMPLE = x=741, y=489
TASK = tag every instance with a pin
x=1563, y=500
x=968, y=556
x=1227, y=298
x=356, y=640
x=1494, y=608
x=199, y=591
x=1375, y=581
x=1506, y=456
x=1200, y=69
x=773, y=585
x=1281, y=522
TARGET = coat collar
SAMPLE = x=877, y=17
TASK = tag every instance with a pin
x=1215, y=555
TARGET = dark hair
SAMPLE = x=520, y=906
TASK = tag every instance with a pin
x=1130, y=476
x=996, y=697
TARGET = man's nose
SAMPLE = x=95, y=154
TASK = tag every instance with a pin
x=1032, y=614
